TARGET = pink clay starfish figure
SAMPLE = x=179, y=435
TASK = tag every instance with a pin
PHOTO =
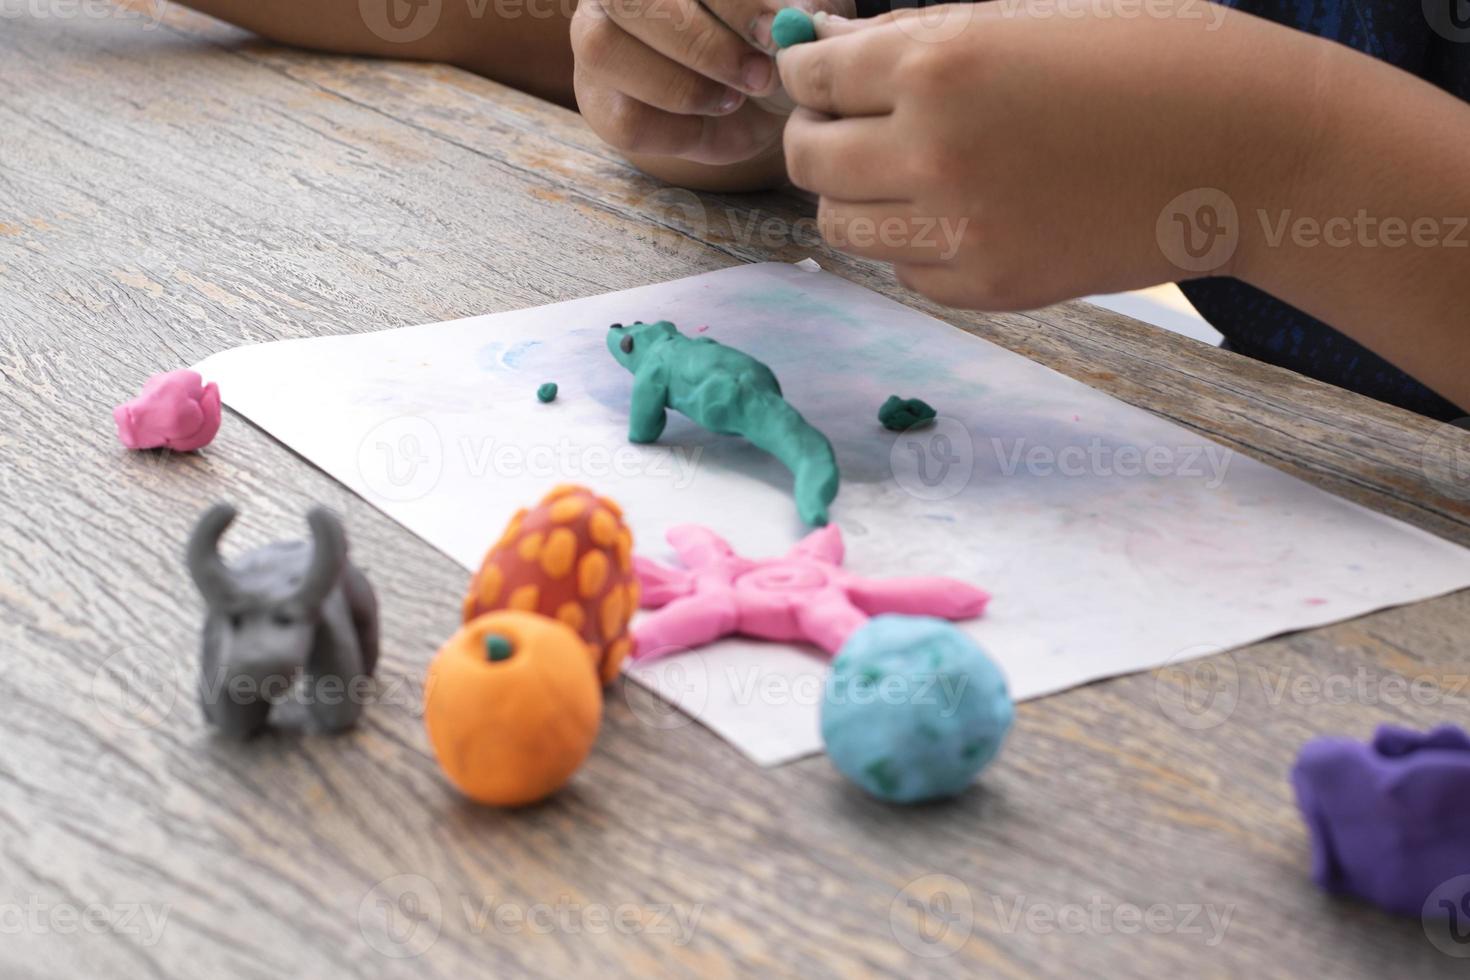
x=805, y=596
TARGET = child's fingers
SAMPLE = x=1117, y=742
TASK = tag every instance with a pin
x=848, y=159
x=945, y=283
x=832, y=25
x=638, y=128
x=847, y=75
x=626, y=64
x=889, y=231
x=686, y=32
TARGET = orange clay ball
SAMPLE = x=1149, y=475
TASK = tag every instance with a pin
x=511, y=708
x=570, y=558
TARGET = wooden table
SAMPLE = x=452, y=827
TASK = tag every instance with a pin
x=166, y=193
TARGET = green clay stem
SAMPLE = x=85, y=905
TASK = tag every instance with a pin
x=498, y=648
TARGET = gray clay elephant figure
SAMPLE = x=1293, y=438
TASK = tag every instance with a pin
x=290, y=621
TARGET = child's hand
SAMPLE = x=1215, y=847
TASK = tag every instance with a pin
x=1002, y=159
x=674, y=78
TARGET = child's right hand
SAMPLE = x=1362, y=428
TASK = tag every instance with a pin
x=675, y=78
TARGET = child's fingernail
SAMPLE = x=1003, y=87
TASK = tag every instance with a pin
x=761, y=31
x=729, y=102
x=755, y=73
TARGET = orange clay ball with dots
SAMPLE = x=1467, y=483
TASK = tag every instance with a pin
x=511, y=708
x=570, y=558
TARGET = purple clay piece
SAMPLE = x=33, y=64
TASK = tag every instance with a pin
x=1390, y=821
x=290, y=620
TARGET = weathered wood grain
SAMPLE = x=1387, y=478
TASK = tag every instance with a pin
x=168, y=193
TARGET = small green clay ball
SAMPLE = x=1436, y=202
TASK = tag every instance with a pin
x=547, y=392
x=792, y=26
x=913, y=709
x=901, y=414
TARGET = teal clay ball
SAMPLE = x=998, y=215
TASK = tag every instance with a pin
x=792, y=26
x=547, y=392
x=913, y=709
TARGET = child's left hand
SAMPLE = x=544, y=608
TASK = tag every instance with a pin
x=1006, y=159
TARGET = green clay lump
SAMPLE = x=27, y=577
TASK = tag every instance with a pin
x=792, y=26
x=729, y=393
x=547, y=392
x=901, y=414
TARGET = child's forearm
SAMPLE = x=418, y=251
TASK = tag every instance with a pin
x=522, y=43
x=1366, y=229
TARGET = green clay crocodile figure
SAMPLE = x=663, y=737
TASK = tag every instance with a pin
x=727, y=392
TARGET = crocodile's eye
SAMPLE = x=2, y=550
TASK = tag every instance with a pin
x=627, y=344
x=616, y=326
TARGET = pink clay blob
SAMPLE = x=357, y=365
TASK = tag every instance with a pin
x=175, y=411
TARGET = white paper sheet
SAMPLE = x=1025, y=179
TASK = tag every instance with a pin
x=1112, y=540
